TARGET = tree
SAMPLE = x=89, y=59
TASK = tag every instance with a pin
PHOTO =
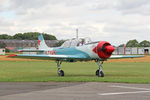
x=33, y=36
x=60, y=43
x=144, y=43
x=132, y=43
x=49, y=37
x=28, y=36
x=5, y=36
x=18, y=36
x=121, y=45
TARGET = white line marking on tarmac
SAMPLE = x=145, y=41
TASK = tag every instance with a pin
x=130, y=87
x=117, y=93
x=134, y=92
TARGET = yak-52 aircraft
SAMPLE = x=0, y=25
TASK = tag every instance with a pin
x=74, y=50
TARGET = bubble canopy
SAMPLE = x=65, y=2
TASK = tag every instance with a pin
x=76, y=42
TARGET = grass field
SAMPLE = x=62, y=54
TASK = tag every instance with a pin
x=134, y=72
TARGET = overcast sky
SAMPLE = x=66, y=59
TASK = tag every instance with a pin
x=116, y=21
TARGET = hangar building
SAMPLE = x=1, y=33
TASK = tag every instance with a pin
x=14, y=45
x=132, y=50
x=2, y=51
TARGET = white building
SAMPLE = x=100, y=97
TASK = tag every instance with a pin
x=2, y=51
x=132, y=50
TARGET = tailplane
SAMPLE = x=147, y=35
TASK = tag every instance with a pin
x=41, y=42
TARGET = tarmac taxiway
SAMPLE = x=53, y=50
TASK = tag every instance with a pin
x=73, y=91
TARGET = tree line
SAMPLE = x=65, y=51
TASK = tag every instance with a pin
x=135, y=43
x=27, y=36
x=34, y=36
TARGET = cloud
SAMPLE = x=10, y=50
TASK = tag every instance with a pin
x=124, y=6
x=4, y=5
x=116, y=21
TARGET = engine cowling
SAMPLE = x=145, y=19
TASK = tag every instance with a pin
x=104, y=49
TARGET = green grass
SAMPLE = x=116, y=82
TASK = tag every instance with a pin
x=43, y=71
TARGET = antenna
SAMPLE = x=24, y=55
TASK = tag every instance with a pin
x=77, y=33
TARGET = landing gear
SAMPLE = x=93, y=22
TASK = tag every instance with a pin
x=99, y=72
x=60, y=72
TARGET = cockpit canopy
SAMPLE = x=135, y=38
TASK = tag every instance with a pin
x=76, y=42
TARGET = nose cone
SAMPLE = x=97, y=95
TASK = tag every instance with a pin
x=110, y=49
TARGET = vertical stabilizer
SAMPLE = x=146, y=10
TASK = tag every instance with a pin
x=41, y=42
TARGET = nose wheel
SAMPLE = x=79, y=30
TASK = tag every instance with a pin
x=60, y=72
x=99, y=72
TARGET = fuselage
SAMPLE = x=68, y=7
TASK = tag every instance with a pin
x=76, y=47
x=83, y=50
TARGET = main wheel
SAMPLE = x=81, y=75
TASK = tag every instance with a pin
x=99, y=74
x=61, y=73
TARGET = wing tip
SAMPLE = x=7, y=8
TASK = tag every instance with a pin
x=12, y=55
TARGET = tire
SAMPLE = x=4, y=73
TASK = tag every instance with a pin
x=101, y=74
x=97, y=72
x=61, y=73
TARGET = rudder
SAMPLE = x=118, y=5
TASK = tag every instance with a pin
x=41, y=42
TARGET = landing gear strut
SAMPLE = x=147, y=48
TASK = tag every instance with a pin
x=60, y=72
x=99, y=72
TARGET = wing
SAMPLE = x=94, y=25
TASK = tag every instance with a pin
x=125, y=56
x=54, y=57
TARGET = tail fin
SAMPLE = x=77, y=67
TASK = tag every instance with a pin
x=41, y=42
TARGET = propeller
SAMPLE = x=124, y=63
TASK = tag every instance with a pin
x=104, y=49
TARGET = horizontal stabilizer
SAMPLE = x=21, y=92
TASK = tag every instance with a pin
x=30, y=50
